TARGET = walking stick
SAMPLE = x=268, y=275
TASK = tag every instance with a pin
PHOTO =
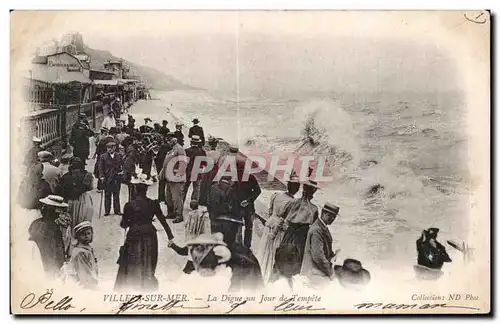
x=100, y=205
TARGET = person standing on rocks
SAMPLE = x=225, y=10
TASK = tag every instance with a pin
x=197, y=130
x=110, y=172
x=79, y=138
x=174, y=174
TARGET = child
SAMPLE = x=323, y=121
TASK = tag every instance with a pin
x=197, y=223
x=83, y=262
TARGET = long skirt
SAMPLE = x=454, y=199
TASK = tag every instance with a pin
x=269, y=242
x=81, y=209
x=137, y=263
x=48, y=237
x=293, y=245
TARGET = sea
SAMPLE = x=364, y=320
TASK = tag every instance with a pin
x=399, y=160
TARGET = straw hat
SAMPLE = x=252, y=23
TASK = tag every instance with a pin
x=195, y=139
x=331, y=208
x=44, y=156
x=111, y=144
x=311, y=183
x=53, y=200
x=82, y=115
x=207, y=239
x=81, y=227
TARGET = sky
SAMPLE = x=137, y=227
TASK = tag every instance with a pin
x=283, y=52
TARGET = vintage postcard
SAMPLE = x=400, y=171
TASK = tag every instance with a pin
x=250, y=162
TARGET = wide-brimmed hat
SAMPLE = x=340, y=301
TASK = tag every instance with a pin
x=111, y=144
x=207, y=239
x=44, y=156
x=147, y=119
x=53, y=200
x=195, y=121
x=81, y=227
x=352, y=272
x=331, y=208
x=195, y=139
x=311, y=183
x=82, y=115
x=36, y=139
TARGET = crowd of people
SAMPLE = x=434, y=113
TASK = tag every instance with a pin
x=296, y=240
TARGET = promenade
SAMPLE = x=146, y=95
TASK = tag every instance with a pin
x=109, y=236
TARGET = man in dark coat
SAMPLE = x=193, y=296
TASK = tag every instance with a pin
x=79, y=138
x=431, y=253
x=32, y=155
x=163, y=150
x=110, y=172
x=132, y=159
x=246, y=191
x=220, y=203
x=192, y=152
x=197, y=130
x=164, y=130
x=318, y=254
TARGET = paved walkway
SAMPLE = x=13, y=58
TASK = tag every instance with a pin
x=109, y=236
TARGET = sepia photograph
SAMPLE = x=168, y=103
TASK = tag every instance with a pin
x=271, y=162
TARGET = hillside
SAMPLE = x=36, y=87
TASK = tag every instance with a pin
x=152, y=77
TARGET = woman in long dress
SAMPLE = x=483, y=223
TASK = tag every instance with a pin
x=273, y=232
x=75, y=187
x=46, y=233
x=139, y=254
x=300, y=214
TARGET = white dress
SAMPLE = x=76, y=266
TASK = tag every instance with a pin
x=272, y=235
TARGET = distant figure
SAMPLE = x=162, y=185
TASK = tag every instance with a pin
x=164, y=129
x=109, y=121
x=318, y=253
x=197, y=130
x=32, y=154
x=116, y=107
x=79, y=138
x=193, y=152
x=178, y=133
x=51, y=173
x=83, y=263
x=110, y=173
x=431, y=253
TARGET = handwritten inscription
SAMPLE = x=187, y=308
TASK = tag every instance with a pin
x=480, y=18
x=135, y=304
x=30, y=301
x=288, y=306
x=408, y=306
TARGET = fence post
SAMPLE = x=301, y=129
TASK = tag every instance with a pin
x=62, y=129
